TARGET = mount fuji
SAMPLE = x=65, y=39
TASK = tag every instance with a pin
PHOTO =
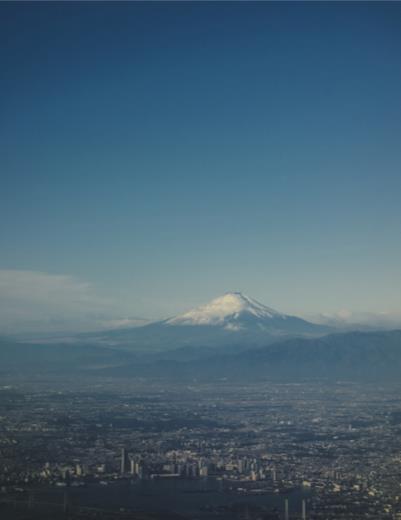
x=233, y=311
x=234, y=321
x=233, y=337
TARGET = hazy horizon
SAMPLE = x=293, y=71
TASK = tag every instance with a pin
x=89, y=314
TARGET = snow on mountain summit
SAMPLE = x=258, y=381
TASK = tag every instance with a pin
x=226, y=310
x=232, y=321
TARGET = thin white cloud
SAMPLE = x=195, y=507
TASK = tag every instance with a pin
x=39, y=301
x=40, y=287
x=347, y=319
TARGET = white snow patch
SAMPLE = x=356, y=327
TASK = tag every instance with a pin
x=230, y=307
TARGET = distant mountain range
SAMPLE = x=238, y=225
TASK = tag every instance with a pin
x=232, y=321
x=354, y=356
x=231, y=338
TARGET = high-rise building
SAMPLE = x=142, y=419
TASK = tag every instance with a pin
x=123, y=457
x=203, y=471
x=286, y=515
x=139, y=469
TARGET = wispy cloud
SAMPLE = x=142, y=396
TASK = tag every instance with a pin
x=40, y=301
x=346, y=319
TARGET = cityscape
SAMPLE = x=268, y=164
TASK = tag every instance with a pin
x=262, y=451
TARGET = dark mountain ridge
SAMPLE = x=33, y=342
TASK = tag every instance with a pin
x=353, y=356
x=359, y=356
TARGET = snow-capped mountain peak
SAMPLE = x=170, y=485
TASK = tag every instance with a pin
x=226, y=310
x=232, y=321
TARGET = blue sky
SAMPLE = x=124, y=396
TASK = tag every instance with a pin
x=156, y=155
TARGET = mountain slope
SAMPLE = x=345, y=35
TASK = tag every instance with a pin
x=354, y=356
x=230, y=311
x=233, y=320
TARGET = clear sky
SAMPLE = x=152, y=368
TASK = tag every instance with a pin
x=155, y=155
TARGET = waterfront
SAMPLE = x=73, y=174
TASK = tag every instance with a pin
x=202, y=450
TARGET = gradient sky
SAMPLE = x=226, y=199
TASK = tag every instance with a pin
x=155, y=155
